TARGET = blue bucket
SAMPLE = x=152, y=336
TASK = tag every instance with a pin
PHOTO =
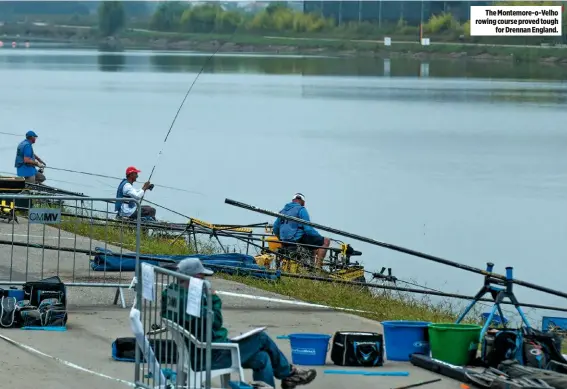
x=309, y=349
x=403, y=338
x=18, y=294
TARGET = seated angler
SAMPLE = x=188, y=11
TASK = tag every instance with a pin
x=302, y=234
x=128, y=209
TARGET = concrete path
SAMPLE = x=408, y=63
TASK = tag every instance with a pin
x=93, y=325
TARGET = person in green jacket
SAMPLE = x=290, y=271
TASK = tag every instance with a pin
x=257, y=352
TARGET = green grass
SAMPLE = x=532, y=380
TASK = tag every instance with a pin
x=307, y=43
x=518, y=53
x=381, y=304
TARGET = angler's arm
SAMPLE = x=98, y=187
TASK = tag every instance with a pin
x=39, y=159
x=29, y=156
x=130, y=191
x=303, y=214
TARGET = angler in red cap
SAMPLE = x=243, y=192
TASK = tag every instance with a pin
x=126, y=189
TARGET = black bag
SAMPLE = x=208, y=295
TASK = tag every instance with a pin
x=124, y=349
x=541, y=348
x=500, y=344
x=351, y=348
x=48, y=288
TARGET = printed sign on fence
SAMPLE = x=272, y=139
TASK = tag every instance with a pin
x=45, y=215
x=516, y=20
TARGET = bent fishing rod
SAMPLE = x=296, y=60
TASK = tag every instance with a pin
x=183, y=102
x=397, y=248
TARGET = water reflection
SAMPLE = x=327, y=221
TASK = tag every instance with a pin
x=432, y=91
x=374, y=67
x=111, y=62
x=171, y=62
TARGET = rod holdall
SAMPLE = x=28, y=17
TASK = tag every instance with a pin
x=354, y=348
x=48, y=288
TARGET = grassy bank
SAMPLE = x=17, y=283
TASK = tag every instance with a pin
x=381, y=305
x=404, y=46
x=401, y=46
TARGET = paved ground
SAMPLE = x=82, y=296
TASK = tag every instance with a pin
x=94, y=323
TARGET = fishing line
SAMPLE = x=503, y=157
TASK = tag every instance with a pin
x=183, y=102
x=9, y=133
x=118, y=178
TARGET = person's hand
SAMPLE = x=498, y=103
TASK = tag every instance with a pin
x=146, y=185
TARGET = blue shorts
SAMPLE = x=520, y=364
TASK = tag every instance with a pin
x=311, y=240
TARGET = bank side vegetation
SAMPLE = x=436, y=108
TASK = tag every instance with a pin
x=380, y=304
x=177, y=22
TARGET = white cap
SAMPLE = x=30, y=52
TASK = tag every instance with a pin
x=299, y=196
x=193, y=267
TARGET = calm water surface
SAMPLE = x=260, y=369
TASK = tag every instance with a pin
x=463, y=161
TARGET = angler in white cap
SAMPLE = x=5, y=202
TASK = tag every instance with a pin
x=257, y=351
x=290, y=231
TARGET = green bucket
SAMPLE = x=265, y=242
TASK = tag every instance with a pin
x=456, y=344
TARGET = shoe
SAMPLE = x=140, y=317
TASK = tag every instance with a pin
x=298, y=377
x=260, y=385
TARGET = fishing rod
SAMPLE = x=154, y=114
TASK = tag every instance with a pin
x=284, y=274
x=387, y=287
x=83, y=251
x=183, y=102
x=398, y=248
x=246, y=239
x=118, y=178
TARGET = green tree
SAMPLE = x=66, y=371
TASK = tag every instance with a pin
x=111, y=18
x=167, y=16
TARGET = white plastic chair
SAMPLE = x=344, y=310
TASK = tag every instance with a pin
x=178, y=333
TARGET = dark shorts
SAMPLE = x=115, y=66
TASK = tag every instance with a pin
x=312, y=240
x=146, y=211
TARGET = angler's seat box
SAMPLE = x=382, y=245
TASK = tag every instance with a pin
x=273, y=243
x=15, y=186
x=290, y=266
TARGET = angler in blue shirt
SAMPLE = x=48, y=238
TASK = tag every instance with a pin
x=290, y=231
x=27, y=160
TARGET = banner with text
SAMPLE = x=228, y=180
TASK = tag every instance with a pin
x=515, y=20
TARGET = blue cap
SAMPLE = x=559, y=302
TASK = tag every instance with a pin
x=30, y=133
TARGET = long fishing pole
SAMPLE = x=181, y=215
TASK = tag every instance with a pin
x=397, y=248
x=118, y=178
x=387, y=287
x=284, y=274
x=183, y=102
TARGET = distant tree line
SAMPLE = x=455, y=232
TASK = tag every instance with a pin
x=174, y=16
x=278, y=18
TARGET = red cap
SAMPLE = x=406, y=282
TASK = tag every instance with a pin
x=131, y=170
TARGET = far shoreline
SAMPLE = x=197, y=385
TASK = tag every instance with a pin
x=240, y=44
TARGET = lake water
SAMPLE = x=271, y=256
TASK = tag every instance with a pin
x=461, y=160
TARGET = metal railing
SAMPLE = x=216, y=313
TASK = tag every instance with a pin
x=78, y=239
x=172, y=322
